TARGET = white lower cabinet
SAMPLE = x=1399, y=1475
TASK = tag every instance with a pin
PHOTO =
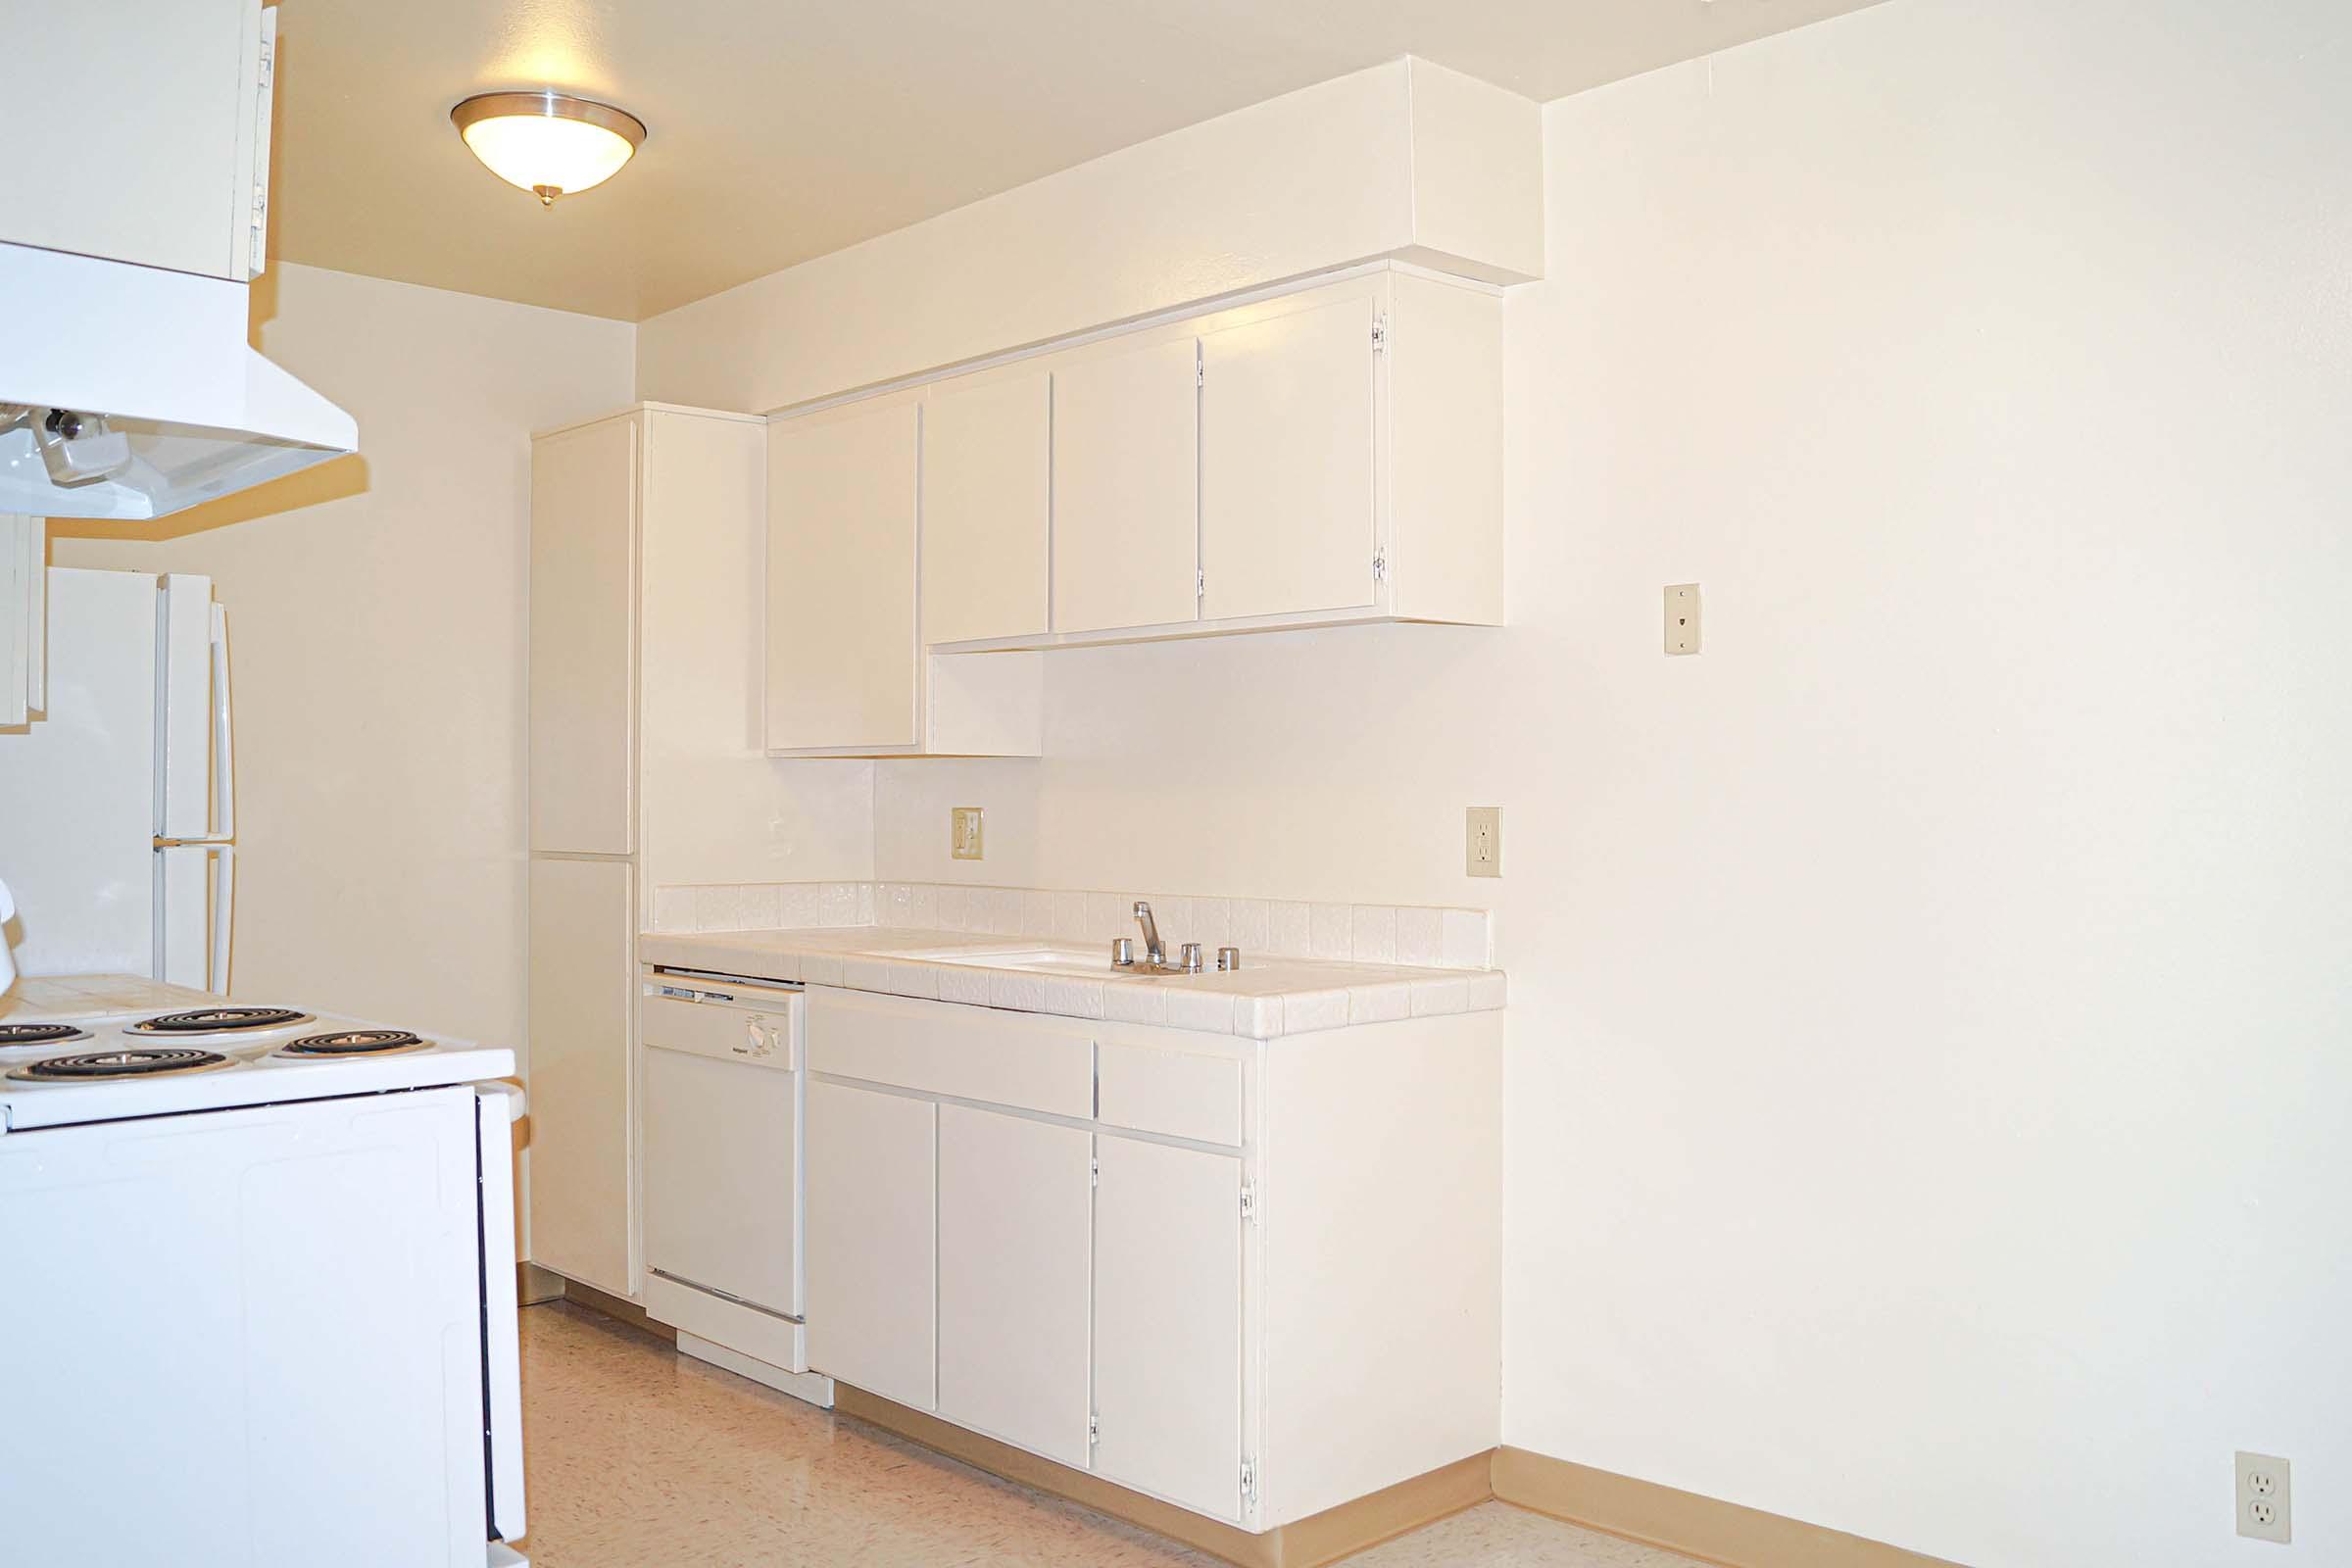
x=1167, y=1325
x=1097, y=1266
x=873, y=1201
x=583, y=1105
x=1015, y=1232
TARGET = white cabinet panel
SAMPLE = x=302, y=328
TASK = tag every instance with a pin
x=584, y=498
x=987, y=452
x=1287, y=518
x=154, y=120
x=1016, y=1217
x=872, y=1170
x=1126, y=456
x=582, y=972
x=1168, y=1323
x=841, y=650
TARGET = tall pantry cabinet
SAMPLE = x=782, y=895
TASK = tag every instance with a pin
x=647, y=539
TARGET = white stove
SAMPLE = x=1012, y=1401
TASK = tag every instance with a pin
x=60, y=1067
x=283, y=1239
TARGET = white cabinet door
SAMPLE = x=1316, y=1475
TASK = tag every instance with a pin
x=871, y=1245
x=1168, y=1323
x=582, y=970
x=842, y=652
x=1286, y=462
x=1016, y=1217
x=583, y=639
x=151, y=115
x=1126, y=470
x=987, y=460
x=23, y=618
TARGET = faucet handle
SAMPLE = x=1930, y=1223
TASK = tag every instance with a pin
x=1190, y=956
x=1123, y=953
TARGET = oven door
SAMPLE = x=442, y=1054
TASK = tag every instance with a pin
x=497, y=1107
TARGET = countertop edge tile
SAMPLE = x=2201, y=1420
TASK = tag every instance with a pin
x=1265, y=1001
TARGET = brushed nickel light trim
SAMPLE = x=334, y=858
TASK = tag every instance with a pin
x=546, y=104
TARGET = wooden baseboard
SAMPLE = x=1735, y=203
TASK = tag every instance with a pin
x=1696, y=1526
x=618, y=1308
x=1305, y=1543
x=1706, y=1528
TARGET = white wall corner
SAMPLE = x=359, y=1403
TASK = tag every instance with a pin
x=1477, y=177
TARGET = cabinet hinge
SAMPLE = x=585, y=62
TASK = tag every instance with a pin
x=1094, y=1427
x=1097, y=1171
x=1200, y=583
x=1380, y=568
x=1249, y=1483
x=1200, y=366
x=1380, y=334
x=1250, y=1202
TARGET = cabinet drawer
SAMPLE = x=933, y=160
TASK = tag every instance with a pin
x=1170, y=1092
x=1000, y=1058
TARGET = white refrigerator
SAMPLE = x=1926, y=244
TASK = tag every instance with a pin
x=118, y=824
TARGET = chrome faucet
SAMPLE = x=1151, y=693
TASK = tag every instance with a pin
x=1154, y=951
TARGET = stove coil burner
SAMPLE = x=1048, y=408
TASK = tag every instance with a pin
x=39, y=1034
x=145, y=1061
x=218, y=1021
x=352, y=1043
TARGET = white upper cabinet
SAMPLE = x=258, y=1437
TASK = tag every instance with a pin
x=1126, y=463
x=584, y=516
x=986, y=506
x=842, y=649
x=1286, y=462
x=848, y=671
x=152, y=124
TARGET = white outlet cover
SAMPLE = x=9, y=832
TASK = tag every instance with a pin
x=1482, y=841
x=2265, y=1497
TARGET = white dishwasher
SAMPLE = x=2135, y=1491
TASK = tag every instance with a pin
x=723, y=1105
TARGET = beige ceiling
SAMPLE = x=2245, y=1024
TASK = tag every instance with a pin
x=782, y=130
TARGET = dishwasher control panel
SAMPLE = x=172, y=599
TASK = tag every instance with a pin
x=758, y=1024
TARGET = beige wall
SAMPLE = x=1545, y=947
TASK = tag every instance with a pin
x=1928, y=1029
x=1401, y=159
x=378, y=641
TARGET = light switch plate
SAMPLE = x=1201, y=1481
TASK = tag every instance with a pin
x=1482, y=841
x=964, y=833
x=1682, y=618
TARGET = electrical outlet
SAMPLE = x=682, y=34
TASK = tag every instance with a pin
x=1682, y=618
x=1481, y=846
x=2264, y=1497
x=964, y=833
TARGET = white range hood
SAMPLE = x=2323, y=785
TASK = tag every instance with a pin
x=130, y=391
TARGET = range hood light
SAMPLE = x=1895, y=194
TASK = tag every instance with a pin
x=548, y=143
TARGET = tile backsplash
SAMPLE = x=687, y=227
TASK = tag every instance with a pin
x=1362, y=933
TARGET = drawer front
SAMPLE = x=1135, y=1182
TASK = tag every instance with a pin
x=753, y=1035
x=1171, y=1092
x=998, y=1058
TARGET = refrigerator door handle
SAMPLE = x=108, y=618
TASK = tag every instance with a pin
x=224, y=747
x=224, y=905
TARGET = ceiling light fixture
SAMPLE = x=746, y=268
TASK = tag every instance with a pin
x=548, y=143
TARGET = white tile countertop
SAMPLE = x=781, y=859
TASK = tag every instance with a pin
x=38, y=1000
x=1261, y=1001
